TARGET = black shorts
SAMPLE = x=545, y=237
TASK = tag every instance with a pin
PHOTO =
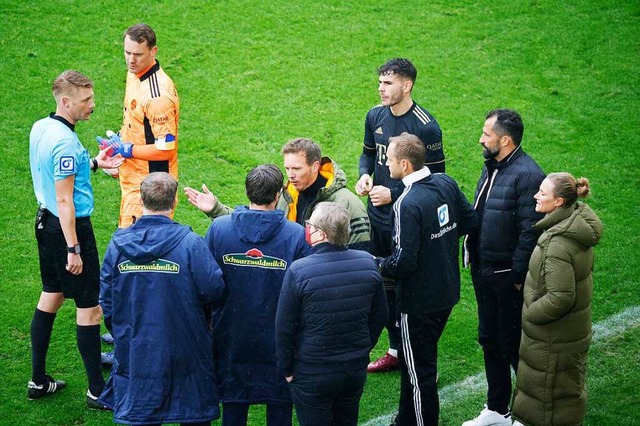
x=52, y=251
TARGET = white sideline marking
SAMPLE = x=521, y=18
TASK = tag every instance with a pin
x=617, y=324
x=612, y=326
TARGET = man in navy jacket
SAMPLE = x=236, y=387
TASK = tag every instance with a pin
x=428, y=220
x=499, y=252
x=254, y=246
x=156, y=277
x=331, y=311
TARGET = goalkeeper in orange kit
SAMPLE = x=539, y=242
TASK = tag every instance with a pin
x=148, y=139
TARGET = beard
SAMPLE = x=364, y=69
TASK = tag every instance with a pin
x=489, y=153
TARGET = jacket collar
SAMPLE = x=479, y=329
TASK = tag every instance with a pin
x=491, y=163
x=328, y=248
x=145, y=75
x=63, y=121
x=416, y=176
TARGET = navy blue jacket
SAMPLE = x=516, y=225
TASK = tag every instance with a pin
x=429, y=218
x=155, y=279
x=505, y=237
x=254, y=249
x=331, y=312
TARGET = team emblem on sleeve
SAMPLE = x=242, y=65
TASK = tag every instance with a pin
x=67, y=165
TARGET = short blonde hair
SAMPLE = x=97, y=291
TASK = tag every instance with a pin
x=68, y=82
x=409, y=147
x=311, y=150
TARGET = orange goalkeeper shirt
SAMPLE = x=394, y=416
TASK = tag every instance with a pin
x=151, y=113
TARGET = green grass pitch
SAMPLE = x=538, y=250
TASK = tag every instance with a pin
x=253, y=74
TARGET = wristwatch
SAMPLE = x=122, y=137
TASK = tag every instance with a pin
x=75, y=249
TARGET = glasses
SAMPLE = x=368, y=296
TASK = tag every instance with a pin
x=308, y=224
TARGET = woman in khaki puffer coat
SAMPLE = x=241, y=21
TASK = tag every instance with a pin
x=556, y=315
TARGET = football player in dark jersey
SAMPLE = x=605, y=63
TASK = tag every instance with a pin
x=397, y=114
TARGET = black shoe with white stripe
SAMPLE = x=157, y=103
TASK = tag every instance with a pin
x=92, y=403
x=50, y=386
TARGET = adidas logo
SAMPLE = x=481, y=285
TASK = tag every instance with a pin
x=379, y=130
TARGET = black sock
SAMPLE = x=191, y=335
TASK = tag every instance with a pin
x=88, y=337
x=41, y=327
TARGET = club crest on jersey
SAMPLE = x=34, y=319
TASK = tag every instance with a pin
x=67, y=165
x=443, y=214
x=254, y=258
x=161, y=265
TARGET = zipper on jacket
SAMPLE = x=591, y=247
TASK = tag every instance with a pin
x=466, y=260
x=493, y=178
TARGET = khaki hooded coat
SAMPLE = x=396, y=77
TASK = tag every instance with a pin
x=556, y=319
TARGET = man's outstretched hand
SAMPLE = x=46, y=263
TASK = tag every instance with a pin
x=204, y=200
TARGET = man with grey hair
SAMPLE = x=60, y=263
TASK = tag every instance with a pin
x=330, y=314
x=156, y=279
x=429, y=217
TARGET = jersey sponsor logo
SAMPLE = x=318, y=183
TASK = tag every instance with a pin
x=160, y=120
x=254, y=258
x=444, y=230
x=381, y=150
x=67, y=165
x=434, y=146
x=378, y=130
x=443, y=215
x=161, y=265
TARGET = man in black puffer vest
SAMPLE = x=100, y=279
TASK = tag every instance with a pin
x=499, y=253
x=331, y=311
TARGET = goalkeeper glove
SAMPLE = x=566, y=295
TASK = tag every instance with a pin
x=116, y=145
x=124, y=149
x=105, y=144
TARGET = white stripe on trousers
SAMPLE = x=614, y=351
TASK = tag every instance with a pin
x=411, y=368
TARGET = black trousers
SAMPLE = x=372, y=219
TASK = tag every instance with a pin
x=235, y=414
x=419, y=404
x=383, y=247
x=329, y=399
x=499, y=331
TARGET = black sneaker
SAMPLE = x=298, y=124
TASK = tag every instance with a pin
x=50, y=386
x=92, y=403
